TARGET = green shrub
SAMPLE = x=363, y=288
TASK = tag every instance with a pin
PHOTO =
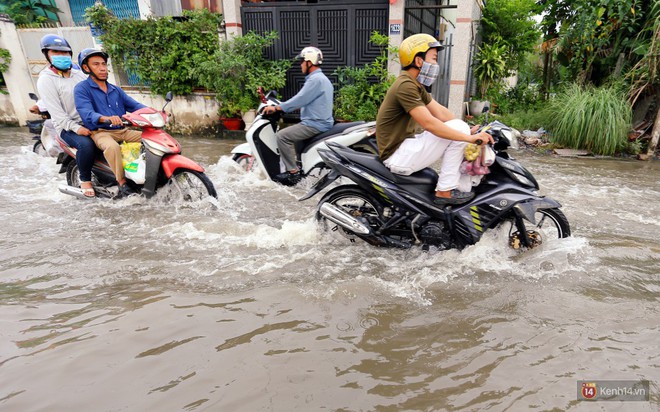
x=163, y=52
x=238, y=68
x=531, y=118
x=595, y=119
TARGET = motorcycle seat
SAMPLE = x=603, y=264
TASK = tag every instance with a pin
x=338, y=128
x=426, y=176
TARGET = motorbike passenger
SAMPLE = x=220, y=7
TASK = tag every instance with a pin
x=56, y=87
x=413, y=131
x=315, y=101
x=101, y=105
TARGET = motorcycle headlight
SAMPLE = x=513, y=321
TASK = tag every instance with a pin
x=156, y=119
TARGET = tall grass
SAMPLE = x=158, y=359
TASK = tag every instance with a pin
x=595, y=119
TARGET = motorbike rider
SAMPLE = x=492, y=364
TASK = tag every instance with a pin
x=413, y=131
x=315, y=101
x=101, y=105
x=56, y=87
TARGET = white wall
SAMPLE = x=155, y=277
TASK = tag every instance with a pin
x=17, y=77
x=7, y=115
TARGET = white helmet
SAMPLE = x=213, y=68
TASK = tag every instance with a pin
x=311, y=54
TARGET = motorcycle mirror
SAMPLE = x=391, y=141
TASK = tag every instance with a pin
x=34, y=97
x=168, y=99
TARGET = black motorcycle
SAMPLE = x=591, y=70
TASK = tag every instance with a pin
x=386, y=209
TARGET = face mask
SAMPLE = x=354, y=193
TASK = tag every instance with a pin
x=61, y=62
x=428, y=74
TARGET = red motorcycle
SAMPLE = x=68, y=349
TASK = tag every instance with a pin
x=159, y=164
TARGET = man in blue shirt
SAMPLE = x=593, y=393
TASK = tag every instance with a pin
x=101, y=105
x=315, y=103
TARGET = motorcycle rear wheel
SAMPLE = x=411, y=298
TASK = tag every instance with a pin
x=190, y=185
x=245, y=161
x=354, y=201
x=551, y=224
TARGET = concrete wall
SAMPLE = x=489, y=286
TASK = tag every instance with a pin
x=193, y=114
x=17, y=77
x=7, y=115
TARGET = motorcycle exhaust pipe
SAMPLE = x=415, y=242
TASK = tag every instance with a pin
x=343, y=219
x=73, y=191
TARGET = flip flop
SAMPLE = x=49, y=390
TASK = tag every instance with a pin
x=87, y=191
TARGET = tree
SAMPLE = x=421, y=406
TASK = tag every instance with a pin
x=594, y=38
x=510, y=23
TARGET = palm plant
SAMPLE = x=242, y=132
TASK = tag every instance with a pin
x=490, y=66
x=29, y=11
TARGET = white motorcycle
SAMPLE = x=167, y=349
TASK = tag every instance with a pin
x=261, y=150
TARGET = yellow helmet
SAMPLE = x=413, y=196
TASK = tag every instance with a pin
x=417, y=43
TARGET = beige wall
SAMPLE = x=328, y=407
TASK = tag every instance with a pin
x=17, y=77
x=193, y=114
x=7, y=115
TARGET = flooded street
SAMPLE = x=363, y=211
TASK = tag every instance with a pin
x=241, y=304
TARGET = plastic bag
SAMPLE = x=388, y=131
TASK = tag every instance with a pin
x=137, y=169
x=135, y=165
x=130, y=152
x=487, y=156
x=48, y=140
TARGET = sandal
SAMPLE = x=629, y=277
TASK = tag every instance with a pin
x=87, y=191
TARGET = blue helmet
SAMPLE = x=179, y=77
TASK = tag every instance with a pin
x=54, y=42
x=85, y=54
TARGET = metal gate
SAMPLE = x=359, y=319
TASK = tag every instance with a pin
x=78, y=37
x=341, y=29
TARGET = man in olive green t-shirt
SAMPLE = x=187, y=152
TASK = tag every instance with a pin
x=414, y=131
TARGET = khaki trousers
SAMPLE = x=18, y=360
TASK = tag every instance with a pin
x=108, y=142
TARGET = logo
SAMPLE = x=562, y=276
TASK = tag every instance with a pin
x=503, y=203
x=589, y=390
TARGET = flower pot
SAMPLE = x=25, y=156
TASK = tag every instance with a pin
x=248, y=118
x=231, y=123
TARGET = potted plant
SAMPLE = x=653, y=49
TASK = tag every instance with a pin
x=238, y=68
x=489, y=70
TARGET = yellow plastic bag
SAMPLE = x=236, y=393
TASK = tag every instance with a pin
x=130, y=152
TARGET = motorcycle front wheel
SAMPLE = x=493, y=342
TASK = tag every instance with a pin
x=190, y=185
x=551, y=224
x=353, y=201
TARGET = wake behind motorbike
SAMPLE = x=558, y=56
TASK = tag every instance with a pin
x=391, y=210
x=261, y=150
x=159, y=164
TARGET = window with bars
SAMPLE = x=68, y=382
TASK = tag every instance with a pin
x=123, y=9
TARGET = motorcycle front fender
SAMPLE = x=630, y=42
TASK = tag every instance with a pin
x=171, y=163
x=321, y=184
x=528, y=208
x=243, y=148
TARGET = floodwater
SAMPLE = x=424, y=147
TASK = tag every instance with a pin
x=241, y=304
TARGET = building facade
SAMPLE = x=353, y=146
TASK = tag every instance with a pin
x=339, y=27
